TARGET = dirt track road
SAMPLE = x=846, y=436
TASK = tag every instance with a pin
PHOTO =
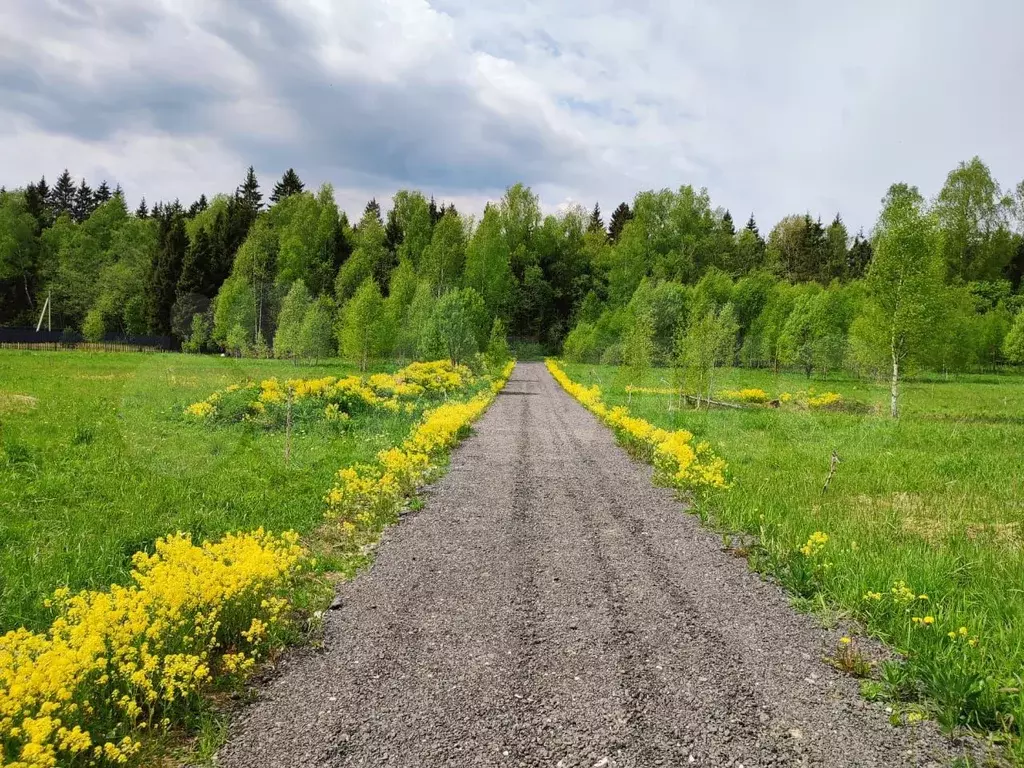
x=550, y=607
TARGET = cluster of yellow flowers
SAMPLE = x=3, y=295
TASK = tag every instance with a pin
x=371, y=495
x=749, y=395
x=678, y=461
x=824, y=400
x=815, y=544
x=651, y=390
x=116, y=663
x=383, y=391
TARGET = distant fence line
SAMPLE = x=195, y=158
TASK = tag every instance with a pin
x=29, y=338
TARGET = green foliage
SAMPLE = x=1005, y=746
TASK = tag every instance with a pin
x=454, y=327
x=316, y=336
x=361, y=334
x=288, y=337
x=497, y=352
x=199, y=334
x=905, y=282
x=444, y=258
x=370, y=252
x=1013, y=344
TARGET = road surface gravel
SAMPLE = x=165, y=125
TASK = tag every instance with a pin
x=548, y=606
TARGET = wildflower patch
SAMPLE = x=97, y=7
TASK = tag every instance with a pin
x=119, y=663
x=367, y=497
x=329, y=398
x=679, y=461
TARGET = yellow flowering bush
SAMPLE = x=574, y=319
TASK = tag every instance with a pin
x=678, y=461
x=370, y=496
x=824, y=400
x=749, y=395
x=118, y=662
x=265, y=403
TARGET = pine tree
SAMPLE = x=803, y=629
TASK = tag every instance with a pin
x=118, y=191
x=249, y=193
x=727, y=224
x=62, y=196
x=83, y=204
x=373, y=207
x=596, y=222
x=752, y=225
x=198, y=207
x=290, y=184
x=620, y=216
x=142, y=212
x=435, y=214
x=102, y=194
x=393, y=234
x=165, y=270
x=35, y=203
x=859, y=257
x=197, y=266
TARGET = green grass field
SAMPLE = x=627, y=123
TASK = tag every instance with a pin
x=935, y=500
x=97, y=461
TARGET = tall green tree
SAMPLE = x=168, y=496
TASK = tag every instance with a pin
x=288, y=336
x=905, y=282
x=249, y=195
x=445, y=257
x=370, y=252
x=973, y=217
x=62, y=196
x=290, y=184
x=488, y=269
x=453, y=328
x=620, y=216
x=165, y=270
x=361, y=333
x=19, y=247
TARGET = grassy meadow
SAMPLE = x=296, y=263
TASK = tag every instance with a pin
x=923, y=517
x=97, y=461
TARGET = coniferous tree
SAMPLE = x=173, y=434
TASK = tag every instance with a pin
x=596, y=222
x=249, y=193
x=373, y=207
x=727, y=225
x=102, y=194
x=142, y=212
x=290, y=184
x=620, y=216
x=165, y=270
x=197, y=267
x=393, y=234
x=198, y=206
x=35, y=203
x=859, y=257
x=62, y=196
x=435, y=214
x=83, y=204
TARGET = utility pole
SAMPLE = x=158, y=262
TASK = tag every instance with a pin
x=47, y=312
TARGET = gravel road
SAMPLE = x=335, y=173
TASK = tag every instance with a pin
x=550, y=607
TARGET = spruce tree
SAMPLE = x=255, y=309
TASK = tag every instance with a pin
x=752, y=225
x=596, y=222
x=859, y=257
x=165, y=270
x=35, y=203
x=83, y=204
x=620, y=216
x=435, y=214
x=373, y=207
x=142, y=212
x=727, y=224
x=249, y=193
x=290, y=184
x=102, y=194
x=62, y=196
x=393, y=234
x=197, y=267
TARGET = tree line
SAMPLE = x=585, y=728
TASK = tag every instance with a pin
x=294, y=277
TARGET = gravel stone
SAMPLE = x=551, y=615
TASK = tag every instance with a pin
x=549, y=606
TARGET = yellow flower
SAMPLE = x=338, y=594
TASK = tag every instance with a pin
x=845, y=640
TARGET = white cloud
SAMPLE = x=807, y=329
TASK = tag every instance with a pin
x=776, y=108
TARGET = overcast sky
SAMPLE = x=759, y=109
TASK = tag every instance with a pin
x=775, y=107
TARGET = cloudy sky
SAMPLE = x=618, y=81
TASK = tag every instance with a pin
x=775, y=107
